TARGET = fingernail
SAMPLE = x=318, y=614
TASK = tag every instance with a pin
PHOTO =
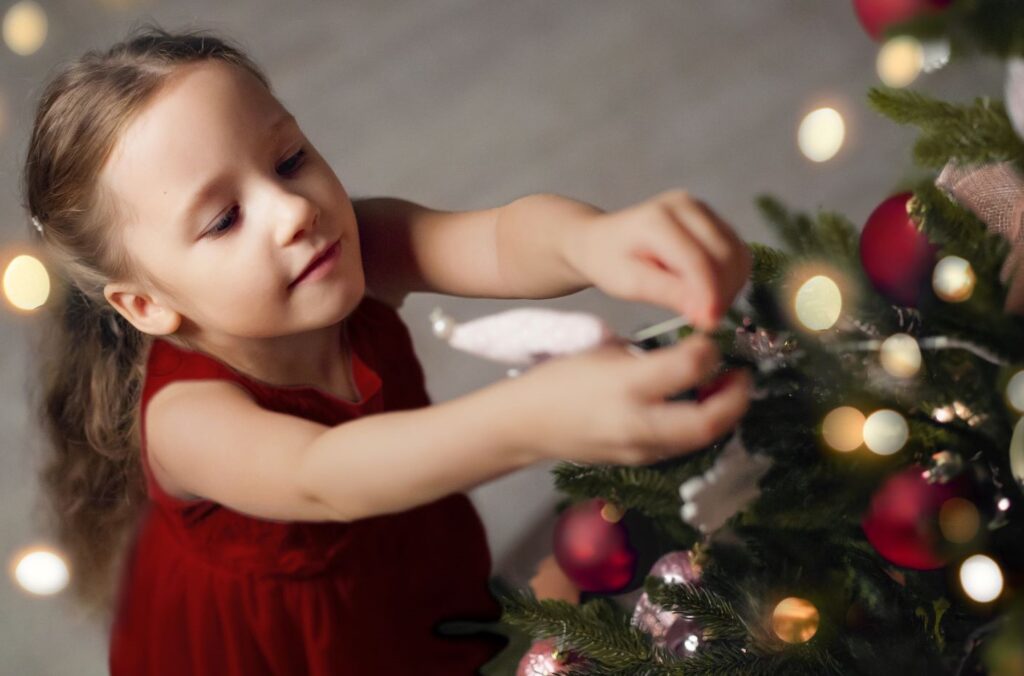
x=709, y=389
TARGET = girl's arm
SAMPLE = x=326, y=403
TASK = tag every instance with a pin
x=512, y=251
x=210, y=439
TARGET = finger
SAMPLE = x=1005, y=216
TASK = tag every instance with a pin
x=652, y=282
x=685, y=254
x=697, y=272
x=718, y=236
x=701, y=221
x=674, y=368
x=689, y=426
x=739, y=260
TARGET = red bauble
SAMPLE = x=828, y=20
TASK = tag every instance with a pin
x=895, y=254
x=877, y=15
x=902, y=520
x=594, y=553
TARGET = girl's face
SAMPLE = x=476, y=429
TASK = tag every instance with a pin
x=226, y=202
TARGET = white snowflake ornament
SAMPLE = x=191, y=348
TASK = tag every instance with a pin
x=524, y=336
x=731, y=483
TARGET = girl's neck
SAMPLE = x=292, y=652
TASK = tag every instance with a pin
x=321, y=359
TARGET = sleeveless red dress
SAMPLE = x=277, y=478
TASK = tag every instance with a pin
x=207, y=591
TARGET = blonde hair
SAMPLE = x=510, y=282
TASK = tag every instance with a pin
x=91, y=360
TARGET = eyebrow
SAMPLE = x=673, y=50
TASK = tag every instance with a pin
x=208, y=188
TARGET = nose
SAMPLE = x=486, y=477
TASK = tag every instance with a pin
x=295, y=215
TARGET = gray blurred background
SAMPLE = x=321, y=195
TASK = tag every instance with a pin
x=468, y=104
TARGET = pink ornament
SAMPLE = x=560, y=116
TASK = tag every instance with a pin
x=594, y=553
x=679, y=634
x=540, y=659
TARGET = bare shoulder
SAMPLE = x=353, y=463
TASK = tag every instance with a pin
x=164, y=407
x=210, y=439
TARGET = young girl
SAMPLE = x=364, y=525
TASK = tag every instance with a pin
x=239, y=411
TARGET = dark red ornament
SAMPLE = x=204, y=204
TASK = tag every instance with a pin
x=902, y=521
x=895, y=254
x=877, y=15
x=593, y=552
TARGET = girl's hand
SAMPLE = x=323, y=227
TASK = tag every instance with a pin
x=670, y=250
x=608, y=405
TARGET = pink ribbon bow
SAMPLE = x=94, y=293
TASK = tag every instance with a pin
x=995, y=194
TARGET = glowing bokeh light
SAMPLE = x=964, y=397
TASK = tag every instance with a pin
x=40, y=571
x=821, y=134
x=1015, y=391
x=843, y=429
x=795, y=620
x=612, y=513
x=26, y=283
x=981, y=578
x=900, y=60
x=959, y=520
x=818, y=303
x=953, y=279
x=25, y=27
x=885, y=432
x=900, y=355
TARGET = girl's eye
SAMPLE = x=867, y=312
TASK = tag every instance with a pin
x=292, y=162
x=224, y=224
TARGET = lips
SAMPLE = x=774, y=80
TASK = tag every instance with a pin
x=325, y=252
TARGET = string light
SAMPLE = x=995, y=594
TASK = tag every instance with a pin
x=818, y=303
x=25, y=27
x=885, y=432
x=953, y=279
x=26, y=284
x=40, y=570
x=981, y=578
x=900, y=355
x=1015, y=391
x=900, y=60
x=843, y=429
x=795, y=620
x=959, y=520
x=821, y=134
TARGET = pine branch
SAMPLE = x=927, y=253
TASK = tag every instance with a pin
x=977, y=133
x=714, y=614
x=598, y=629
x=769, y=263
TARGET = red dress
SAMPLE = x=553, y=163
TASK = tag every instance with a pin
x=208, y=591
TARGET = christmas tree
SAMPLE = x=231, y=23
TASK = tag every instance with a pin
x=867, y=516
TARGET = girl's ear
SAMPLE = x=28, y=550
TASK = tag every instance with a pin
x=145, y=312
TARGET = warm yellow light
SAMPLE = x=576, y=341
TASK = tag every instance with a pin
x=25, y=27
x=959, y=520
x=1015, y=391
x=900, y=61
x=981, y=578
x=821, y=134
x=612, y=513
x=885, y=432
x=795, y=620
x=900, y=355
x=818, y=303
x=843, y=428
x=953, y=279
x=26, y=284
x=40, y=571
